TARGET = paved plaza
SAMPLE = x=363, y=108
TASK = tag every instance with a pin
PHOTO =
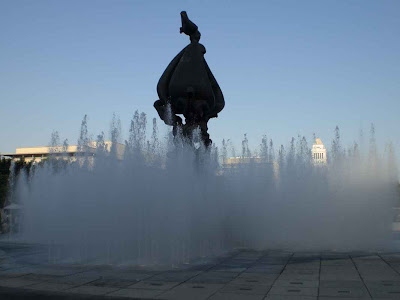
x=242, y=274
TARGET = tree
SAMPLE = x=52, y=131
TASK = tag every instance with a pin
x=264, y=153
x=336, y=146
x=5, y=165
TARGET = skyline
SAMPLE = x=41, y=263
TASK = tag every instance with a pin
x=284, y=68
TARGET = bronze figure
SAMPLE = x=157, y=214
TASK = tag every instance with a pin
x=188, y=87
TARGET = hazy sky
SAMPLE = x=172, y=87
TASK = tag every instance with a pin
x=285, y=67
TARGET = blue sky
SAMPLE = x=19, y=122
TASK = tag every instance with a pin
x=285, y=67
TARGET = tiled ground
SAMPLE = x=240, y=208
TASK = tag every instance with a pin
x=244, y=274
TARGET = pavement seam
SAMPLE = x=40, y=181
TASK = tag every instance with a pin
x=287, y=262
x=158, y=273
x=195, y=276
x=362, y=279
x=319, y=275
x=233, y=277
x=388, y=264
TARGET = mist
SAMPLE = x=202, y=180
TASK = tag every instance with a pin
x=169, y=200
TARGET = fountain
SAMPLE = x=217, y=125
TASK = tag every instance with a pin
x=157, y=206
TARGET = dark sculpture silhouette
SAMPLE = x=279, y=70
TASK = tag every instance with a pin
x=188, y=87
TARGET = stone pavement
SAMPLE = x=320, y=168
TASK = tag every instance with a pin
x=244, y=274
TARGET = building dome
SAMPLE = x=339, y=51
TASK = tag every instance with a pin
x=318, y=152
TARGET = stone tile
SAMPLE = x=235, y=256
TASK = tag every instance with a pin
x=209, y=280
x=334, y=255
x=273, y=261
x=225, y=269
x=371, y=263
x=281, y=297
x=341, y=283
x=88, y=274
x=308, y=253
x=395, y=266
x=339, y=273
x=199, y=267
x=135, y=293
x=22, y=267
x=75, y=279
x=345, y=277
x=241, y=260
x=75, y=267
x=154, y=285
x=279, y=253
x=337, y=262
x=92, y=290
x=299, y=277
x=219, y=274
x=376, y=269
x=382, y=283
x=237, y=263
x=392, y=292
x=338, y=269
x=264, y=270
x=296, y=283
x=253, y=271
x=395, y=257
x=349, y=292
x=55, y=271
x=250, y=255
x=17, y=282
x=344, y=298
x=365, y=258
x=9, y=265
x=271, y=269
x=253, y=281
x=268, y=266
x=245, y=289
x=51, y=287
x=191, y=291
x=112, y=282
x=34, y=258
x=304, y=260
x=260, y=276
x=175, y=276
x=128, y=276
x=301, y=266
x=373, y=276
x=299, y=257
x=230, y=296
x=12, y=274
x=213, y=277
x=293, y=291
x=40, y=277
x=300, y=272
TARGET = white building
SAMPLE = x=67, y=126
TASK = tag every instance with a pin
x=318, y=152
x=37, y=154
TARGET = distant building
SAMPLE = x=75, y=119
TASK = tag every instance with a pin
x=239, y=160
x=37, y=154
x=318, y=152
x=233, y=163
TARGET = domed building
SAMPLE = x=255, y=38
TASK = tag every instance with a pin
x=318, y=152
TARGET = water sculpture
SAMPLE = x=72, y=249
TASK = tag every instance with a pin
x=188, y=87
x=157, y=208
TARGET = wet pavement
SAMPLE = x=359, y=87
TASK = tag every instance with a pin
x=242, y=274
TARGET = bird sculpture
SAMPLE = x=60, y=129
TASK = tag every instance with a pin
x=189, y=88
